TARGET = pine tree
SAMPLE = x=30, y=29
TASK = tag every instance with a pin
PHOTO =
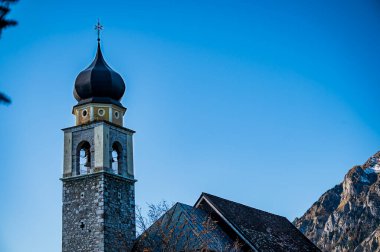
x=5, y=23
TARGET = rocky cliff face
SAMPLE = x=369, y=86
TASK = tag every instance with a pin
x=347, y=217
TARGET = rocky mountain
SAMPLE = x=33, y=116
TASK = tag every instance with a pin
x=347, y=217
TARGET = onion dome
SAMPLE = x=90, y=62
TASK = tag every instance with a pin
x=99, y=83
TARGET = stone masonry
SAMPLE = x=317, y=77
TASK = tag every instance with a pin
x=99, y=206
x=98, y=213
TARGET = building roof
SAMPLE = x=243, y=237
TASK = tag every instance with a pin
x=99, y=83
x=261, y=230
x=217, y=224
x=183, y=228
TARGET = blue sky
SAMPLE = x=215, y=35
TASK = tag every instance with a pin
x=267, y=103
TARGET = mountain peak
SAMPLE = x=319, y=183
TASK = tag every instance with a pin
x=346, y=217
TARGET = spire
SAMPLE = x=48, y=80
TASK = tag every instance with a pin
x=99, y=83
x=99, y=56
x=98, y=27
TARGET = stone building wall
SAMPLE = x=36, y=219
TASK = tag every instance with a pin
x=98, y=205
x=83, y=214
x=119, y=206
x=98, y=213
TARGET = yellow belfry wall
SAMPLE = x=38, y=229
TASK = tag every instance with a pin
x=99, y=112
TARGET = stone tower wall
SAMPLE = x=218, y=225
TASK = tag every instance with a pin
x=119, y=204
x=98, y=206
x=83, y=214
x=98, y=213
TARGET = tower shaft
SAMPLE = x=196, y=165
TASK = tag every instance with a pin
x=98, y=188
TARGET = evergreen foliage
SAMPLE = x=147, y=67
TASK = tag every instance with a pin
x=5, y=23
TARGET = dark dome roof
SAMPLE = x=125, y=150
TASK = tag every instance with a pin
x=99, y=83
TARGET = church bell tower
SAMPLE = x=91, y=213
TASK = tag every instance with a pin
x=98, y=211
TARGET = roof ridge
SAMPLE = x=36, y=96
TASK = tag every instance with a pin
x=237, y=203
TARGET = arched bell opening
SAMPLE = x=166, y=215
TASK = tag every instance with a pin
x=83, y=165
x=116, y=158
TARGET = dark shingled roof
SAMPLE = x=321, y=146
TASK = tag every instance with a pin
x=183, y=228
x=265, y=231
x=186, y=228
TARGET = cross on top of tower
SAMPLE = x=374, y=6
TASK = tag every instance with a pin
x=98, y=27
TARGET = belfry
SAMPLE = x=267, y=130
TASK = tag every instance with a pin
x=98, y=211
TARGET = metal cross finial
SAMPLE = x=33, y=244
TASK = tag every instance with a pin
x=98, y=27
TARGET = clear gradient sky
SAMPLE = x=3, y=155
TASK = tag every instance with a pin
x=267, y=103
